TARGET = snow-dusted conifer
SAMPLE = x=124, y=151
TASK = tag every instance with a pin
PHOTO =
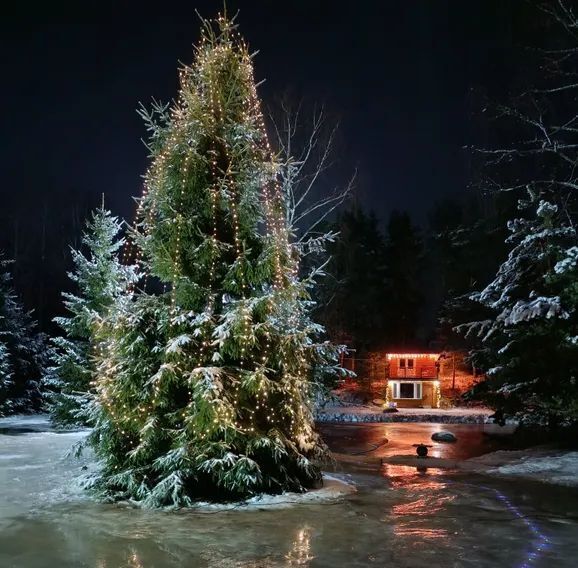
x=99, y=279
x=528, y=348
x=22, y=351
x=5, y=378
x=203, y=390
x=527, y=342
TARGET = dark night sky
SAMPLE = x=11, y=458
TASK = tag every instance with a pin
x=396, y=74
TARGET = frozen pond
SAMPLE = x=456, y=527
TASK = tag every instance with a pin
x=398, y=517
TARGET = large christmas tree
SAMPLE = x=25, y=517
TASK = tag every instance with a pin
x=204, y=389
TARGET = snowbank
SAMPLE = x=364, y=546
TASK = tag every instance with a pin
x=538, y=464
x=559, y=469
x=333, y=488
x=28, y=422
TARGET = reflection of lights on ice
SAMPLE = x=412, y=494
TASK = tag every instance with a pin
x=413, y=519
x=134, y=560
x=300, y=553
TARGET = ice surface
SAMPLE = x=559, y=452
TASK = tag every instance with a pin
x=397, y=517
x=34, y=469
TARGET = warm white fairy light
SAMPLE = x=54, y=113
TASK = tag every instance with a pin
x=223, y=189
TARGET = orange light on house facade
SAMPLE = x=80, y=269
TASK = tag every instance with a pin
x=412, y=380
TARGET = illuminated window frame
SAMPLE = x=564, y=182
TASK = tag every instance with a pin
x=396, y=390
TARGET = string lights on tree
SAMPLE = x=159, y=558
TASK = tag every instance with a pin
x=204, y=389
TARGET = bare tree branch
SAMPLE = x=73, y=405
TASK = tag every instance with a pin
x=303, y=161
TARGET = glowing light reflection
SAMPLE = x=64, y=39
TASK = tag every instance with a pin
x=300, y=553
x=411, y=516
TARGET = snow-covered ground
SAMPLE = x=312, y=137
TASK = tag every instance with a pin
x=37, y=465
x=545, y=465
x=333, y=488
x=37, y=422
x=561, y=469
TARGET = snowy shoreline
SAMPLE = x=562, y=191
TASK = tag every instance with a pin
x=34, y=452
x=546, y=465
x=333, y=488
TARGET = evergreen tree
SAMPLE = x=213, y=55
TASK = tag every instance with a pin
x=527, y=337
x=403, y=255
x=465, y=250
x=5, y=377
x=203, y=390
x=352, y=298
x=530, y=339
x=22, y=352
x=99, y=279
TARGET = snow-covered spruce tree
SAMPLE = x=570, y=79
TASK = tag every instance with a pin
x=530, y=343
x=203, y=390
x=527, y=343
x=5, y=378
x=22, y=351
x=99, y=278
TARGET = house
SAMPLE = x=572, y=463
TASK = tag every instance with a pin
x=413, y=380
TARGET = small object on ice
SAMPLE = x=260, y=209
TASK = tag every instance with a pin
x=421, y=450
x=390, y=409
x=443, y=437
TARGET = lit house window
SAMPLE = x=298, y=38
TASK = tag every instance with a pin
x=406, y=389
x=406, y=364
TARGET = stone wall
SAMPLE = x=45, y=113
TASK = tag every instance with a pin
x=329, y=415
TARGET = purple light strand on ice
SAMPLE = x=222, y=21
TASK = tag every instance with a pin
x=540, y=542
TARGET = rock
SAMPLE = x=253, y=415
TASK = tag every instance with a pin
x=443, y=437
x=390, y=410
